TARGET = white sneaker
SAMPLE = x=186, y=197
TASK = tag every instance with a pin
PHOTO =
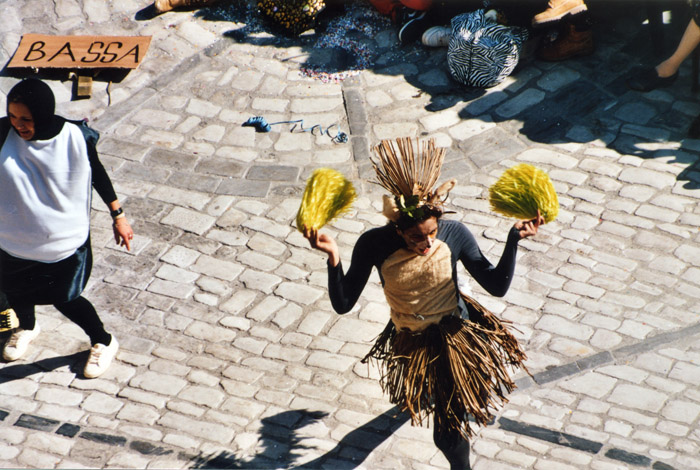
x=100, y=358
x=18, y=343
x=437, y=36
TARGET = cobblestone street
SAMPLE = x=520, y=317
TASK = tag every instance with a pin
x=231, y=354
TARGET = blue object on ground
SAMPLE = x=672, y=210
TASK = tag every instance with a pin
x=261, y=125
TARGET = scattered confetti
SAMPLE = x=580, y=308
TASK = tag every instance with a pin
x=350, y=32
x=342, y=33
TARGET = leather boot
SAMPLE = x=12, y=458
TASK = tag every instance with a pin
x=557, y=9
x=167, y=5
x=570, y=43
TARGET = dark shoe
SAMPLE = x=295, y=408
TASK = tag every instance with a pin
x=415, y=25
x=648, y=79
x=694, y=129
x=569, y=43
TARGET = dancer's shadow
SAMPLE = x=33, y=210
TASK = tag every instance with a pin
x=282, y=443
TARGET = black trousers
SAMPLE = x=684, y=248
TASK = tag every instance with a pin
x=28, y=283
x=80, y=311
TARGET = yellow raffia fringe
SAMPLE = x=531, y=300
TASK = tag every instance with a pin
x=328, y=194
x=523, y=189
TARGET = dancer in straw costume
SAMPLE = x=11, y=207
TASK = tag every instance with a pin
x=442, y=353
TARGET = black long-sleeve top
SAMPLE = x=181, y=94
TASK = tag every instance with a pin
x=376, y=245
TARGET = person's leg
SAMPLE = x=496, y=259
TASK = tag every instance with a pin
x=81, y=312
x=104, y=346
x=689, y=41
x=25, y=314
x=16, y=346
x=453, y=446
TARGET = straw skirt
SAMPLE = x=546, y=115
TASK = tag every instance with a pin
x=453, y=369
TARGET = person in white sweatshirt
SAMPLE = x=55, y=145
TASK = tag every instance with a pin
x=48, y=166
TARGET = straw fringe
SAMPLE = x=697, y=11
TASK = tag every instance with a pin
x=453, y=369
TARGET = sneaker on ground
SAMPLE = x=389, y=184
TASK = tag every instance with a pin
x=8, y=320
x=416, y=23
x=18, y=343
x=557, y=9
x=437, y=36
x=100, y=358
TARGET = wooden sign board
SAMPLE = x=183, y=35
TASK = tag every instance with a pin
x=70, y=52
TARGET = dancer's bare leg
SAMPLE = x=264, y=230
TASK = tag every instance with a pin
x=688, y=43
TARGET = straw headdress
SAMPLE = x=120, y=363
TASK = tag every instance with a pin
x=409, y=172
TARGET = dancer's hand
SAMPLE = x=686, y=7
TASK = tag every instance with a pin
x=123, y=233
x=528, y=228
x=324, y=243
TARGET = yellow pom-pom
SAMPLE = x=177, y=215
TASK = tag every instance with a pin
x=328, y=194
x=523, y=189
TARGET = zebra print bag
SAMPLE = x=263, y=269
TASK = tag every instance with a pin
x=482, y=53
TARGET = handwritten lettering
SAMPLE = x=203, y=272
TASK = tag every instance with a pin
x=65, y=47
x=108, y=53
x=37, y=50
x=134, y=51
x=90, y=51
x=36, y=47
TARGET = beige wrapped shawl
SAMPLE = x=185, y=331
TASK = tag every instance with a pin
x=419, y=289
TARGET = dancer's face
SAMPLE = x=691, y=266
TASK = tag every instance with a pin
x=421, y=237
x=21, y=119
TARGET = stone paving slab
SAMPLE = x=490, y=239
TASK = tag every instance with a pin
x=231, y=355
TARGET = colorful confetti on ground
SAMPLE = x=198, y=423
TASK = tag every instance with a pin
x=350, y=32
x=359, y=18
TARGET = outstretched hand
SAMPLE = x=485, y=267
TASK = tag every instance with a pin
x=528, y=228
x=323, y=242
x=123, y=233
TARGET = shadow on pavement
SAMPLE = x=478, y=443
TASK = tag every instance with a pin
x=10, y=372
x=585, y=100
x=283, y=443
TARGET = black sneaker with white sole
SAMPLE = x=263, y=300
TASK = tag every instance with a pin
x=413, y=26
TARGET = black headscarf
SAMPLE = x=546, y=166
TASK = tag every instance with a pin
x=38, y=97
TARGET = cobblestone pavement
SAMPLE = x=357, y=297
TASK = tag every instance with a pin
x=231, y=355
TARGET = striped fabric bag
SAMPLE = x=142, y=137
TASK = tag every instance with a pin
x=482, y=53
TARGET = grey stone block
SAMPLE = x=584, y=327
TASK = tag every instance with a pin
x=491, y=146
x=238, y=187
x=273, y=173
x=122, y=149
x=220, y=166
